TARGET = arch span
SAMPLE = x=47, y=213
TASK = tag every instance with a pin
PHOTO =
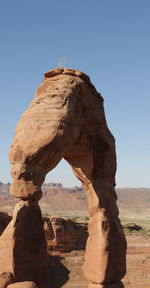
x=66, y=119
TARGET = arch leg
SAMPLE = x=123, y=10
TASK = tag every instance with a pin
x=105, y=257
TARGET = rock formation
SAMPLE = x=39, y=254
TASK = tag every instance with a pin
x=23, y=247
x=66, y=119
x=64, y=235
x=4, y=221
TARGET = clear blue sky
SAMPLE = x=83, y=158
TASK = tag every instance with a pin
x=107, y=39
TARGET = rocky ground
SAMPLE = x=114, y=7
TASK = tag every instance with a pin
x=138, y=262
x=66, y=255
x=69, y=266
x=66, y=268
x=66, y=248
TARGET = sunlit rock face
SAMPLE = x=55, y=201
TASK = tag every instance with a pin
x=66, y=119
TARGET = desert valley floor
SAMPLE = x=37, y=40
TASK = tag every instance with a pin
x=69, y=266
x=65, y=269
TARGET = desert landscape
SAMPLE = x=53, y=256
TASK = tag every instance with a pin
x=133, y=203
x=75, y=161
x=65, y=218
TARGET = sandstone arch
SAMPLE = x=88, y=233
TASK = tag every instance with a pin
x=66, y=119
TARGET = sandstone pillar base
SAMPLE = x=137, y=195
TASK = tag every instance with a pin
x=111, y=285
x=29, y=258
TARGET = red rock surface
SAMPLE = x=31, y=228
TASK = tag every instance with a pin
x=6, y=278
x=23, y=250
x=63, y=201
x=29, y=245
x=6, y=252
x=64, y=235
x=25, y=284
x=4, y=221
x=66, y=119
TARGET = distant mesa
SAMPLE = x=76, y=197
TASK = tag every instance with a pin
x=57, y=200
x=51, y=185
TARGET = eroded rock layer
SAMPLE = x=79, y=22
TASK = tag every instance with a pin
x=64, y=235
x=66, y=119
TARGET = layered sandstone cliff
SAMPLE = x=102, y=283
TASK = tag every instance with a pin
x=64, y=235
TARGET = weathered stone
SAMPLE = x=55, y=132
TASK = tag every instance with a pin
x=29, y=245
x=6, y=278
x=25, y=284
x=66, y=119
x=4, y=221
x=64, y=235
x=59, y=111
x=6, y=252
x=23, y=248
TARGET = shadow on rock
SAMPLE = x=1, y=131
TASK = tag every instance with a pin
x=114, y=285
x=58, y=273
